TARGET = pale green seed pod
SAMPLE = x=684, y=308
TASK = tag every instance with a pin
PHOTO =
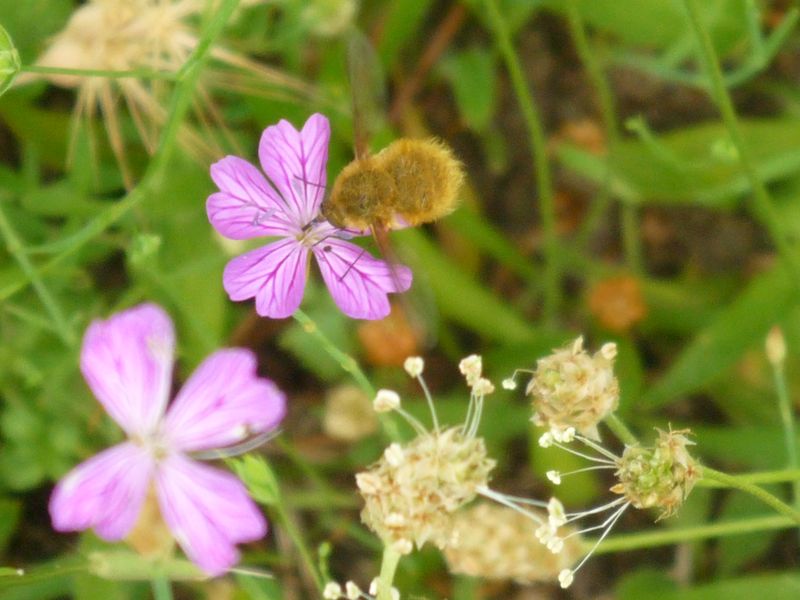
x=9, y=61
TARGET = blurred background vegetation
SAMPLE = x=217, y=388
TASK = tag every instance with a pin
x=605, y=196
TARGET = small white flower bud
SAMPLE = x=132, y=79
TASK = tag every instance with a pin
x=368, y=482
x=386, y=401
x=373, y=587
x=482, y=387
x=471, y=367
x=608, y=351
x=554, y=477
x=394, y=454
x=775, y=347
x=565, y=578
x=555, y=513
x=546, y=440
x=509, y=384
x=414, y=366
x=395, y=520
x=403, y=546
x=352, y=590
x=332, y=591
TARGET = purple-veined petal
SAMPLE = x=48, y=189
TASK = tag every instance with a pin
x=222, y=403
x=246, y=205
x=359, y=282
x=127, y=362
x=295, y=162
x=208, y=512
x=275, y=275
x=105, y=492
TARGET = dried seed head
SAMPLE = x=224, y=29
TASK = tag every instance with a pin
x=409, y=498
x=497, y=542
x=570, y=388
x=660, y=476
x=348, y=414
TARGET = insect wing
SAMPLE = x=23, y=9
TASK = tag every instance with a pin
x=367, y=90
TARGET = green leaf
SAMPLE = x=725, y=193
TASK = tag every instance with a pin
x=688, y=166
x=737, y=327
x=664, y=22
x=259, y=478
x=472, y=74
x=735, y=552
x=647, y=585
x=460, y=297
x=9, y=61
x=10, y=511
x=401, y=24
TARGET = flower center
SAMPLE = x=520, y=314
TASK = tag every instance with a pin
x=153, y=443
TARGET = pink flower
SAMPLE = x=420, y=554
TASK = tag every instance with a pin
x=248, y=206
x=127, y=362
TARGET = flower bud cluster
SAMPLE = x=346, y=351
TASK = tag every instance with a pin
x=351, y=591
x=412, y=490
x=497, y=542
x=660, y=476
x=570, y=388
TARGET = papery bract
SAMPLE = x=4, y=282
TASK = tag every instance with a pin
x=288, y=206
x=127, y=362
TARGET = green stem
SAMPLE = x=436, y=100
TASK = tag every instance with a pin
x=762, y=208
x=134, y=74
x=348, y=365
x=789, y=429
x=630, y=224
x=650, y=539
x=780, y=476
x=538, y=143
x=162, y=589
x=755, y=491
x=388, y=567
x=621, y=430
x=346, y=362
x=17, y=250
x=299, y=543
x=179, y=104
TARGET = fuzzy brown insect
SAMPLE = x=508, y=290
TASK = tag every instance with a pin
x=410, y=181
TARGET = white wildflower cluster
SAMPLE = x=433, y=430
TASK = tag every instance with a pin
x=348, y=414
x=418, y=490
x=351, y=591
x=412, y=491
x=497, y=542
x=570, y=388
x=660, y=476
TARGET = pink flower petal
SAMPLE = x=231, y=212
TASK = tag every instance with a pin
x=105, y=492
x=223, y=402
x=246, y=205
x=295, y=163
x=208, y=512
x=127, y=362
x=274, y=274
x=358, y=282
